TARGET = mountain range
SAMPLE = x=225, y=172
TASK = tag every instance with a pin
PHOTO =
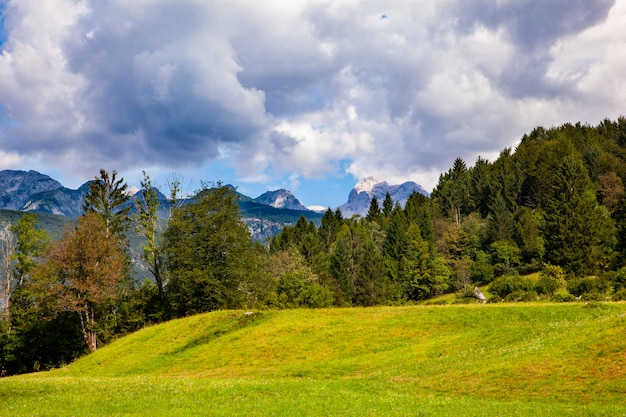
x=361, y=195
x=265, y=215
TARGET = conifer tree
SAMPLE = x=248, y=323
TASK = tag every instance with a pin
x=574, y=224
x=107, y=196
x=387, y=205
x=373, y=213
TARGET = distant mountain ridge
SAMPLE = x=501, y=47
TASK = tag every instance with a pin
x=16, y=187
x=281, y=199
x=361, y=195
x=266, y=215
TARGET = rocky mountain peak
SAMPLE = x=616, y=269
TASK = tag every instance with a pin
x=17, y=186
x=361, y=195
x=366, y=185
x=282, y=199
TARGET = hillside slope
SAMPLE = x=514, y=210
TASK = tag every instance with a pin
x=565, y=352
x=524, y=360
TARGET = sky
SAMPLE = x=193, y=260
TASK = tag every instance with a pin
x=310, y=95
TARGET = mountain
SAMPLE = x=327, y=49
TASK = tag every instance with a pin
x=281, y=199
x=18, y=186
x=62, y=201
x=361, y=195
x=265, y=216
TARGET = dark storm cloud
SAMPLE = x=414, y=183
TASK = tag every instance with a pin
x=300, y=88
x=533, y=27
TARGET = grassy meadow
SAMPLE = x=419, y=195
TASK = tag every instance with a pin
x=475, y=360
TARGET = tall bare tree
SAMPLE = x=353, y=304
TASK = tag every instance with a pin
x=147, y=205
x=7, y=251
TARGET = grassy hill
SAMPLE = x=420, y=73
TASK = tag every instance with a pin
x=523, y=359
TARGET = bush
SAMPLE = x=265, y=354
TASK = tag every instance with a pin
x=521, y=295
x=593, y=296
x=562, y=296
x=481, y=273
x=620, y=295
x=551, y=279
x=547, y=285
x=619, y=281
x=508, y=284
x=587, y=285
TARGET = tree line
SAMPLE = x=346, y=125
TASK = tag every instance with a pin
x=545, y=221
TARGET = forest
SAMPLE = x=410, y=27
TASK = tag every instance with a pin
x=544, y=221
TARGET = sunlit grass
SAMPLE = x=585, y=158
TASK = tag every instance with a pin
x=514, y=359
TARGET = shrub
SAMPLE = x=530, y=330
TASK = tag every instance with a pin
x=481, y=273
x=562, y=296
x=508, y=284
x=521, y=295
x=619, y=281
x=547, y=285
x=620, y=295
x=587, y=285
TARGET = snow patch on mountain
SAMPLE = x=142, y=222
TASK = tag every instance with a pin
x=361, y=195
x=366, y=185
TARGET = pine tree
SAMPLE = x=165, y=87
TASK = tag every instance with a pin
x=387, y=205
x=373, y=213
x=575, y=226
x=107, y=196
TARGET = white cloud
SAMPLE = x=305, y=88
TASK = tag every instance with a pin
x=594, y=63
x=284, y=90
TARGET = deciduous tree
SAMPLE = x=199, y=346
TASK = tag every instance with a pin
x=147, y=205
x=81, y=274
x=207, y=251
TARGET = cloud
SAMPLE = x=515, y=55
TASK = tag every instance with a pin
x=301, y=88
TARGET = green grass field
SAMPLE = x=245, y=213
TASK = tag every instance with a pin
x=474, y=360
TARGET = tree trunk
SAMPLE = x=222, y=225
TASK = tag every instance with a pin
x=7, y=251
x=88, y=327
x=92, y=340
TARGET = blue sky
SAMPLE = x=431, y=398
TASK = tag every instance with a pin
x=307, y=95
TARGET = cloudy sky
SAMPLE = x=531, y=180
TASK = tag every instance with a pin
x=308, y=95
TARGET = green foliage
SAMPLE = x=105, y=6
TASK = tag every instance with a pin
x=208, y=252
x=37, y=341
x=513, y=288
x=374, y=214
x=481, y=271
x=31, y=244
x=619, y=280
x=527, y=234
x=551, y=279
x=107, y=196
x=505, y=256
x=452, y=191
x=575, y=227
x=589, y=287
x=147, y=221
x=562, y=296
x=296, y=284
